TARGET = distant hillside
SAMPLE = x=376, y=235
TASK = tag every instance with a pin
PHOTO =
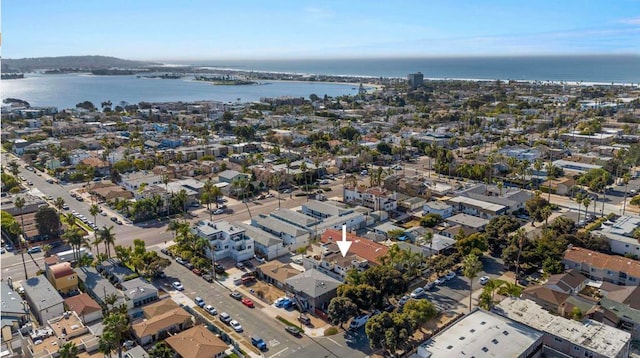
x=76, y=62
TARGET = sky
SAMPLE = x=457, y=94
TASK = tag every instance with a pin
x=186, y=30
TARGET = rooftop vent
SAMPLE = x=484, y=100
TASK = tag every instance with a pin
x=483, y=323
x=485, y=349
x=494, y=341
x=505, y=333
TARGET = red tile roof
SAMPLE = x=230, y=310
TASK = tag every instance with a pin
x=82, y=304
x=365, y=248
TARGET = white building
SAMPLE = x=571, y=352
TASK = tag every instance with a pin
x=571, y=338
x=619, y=233
x=228, y=240
x=376, y=199
x=133, y=181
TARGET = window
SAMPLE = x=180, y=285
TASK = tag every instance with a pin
x=557, y=339
x=575, y=348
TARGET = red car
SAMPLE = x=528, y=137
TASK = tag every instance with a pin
x=247, y=302
x=197, y=272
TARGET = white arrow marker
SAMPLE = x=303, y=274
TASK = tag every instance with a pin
x=344, y=245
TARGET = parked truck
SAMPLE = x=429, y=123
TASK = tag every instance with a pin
x=70, y=256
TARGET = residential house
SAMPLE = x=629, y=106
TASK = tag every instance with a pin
x=476, y=224
x=85, y=307
x=133, y=181
x=228, y=176
x=44, y=300
x=619, y=233
x=266, y=245
x=98, y=287
x=475, y=207
x=313, y=289
x=567, y=336
x=156, y=326
x=560, y=186
x=575, y=167
x=101, y=167
x=197, y=342
x=603, y=267
x=292, y=236
x=226, y=239
x=547, y=298
x=511, y=198
x=620, y=308
x=137, y=293
x=114, y=270
x=62, y=277
x=14, y=313
x=277, y=273
x=437, y=207
x=372, y=198
x=570, y=282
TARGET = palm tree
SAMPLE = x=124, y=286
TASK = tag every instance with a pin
x=68, y=350
x=14, y=168
x=549, y=168
x=19, y=203
x=116, y=325
x=521, y=237
x=586, y=202
x=428, y=239
x=74, y=238
x=579, y=200
x=537, y=165
x=471, y=266
x=108, y=238
x=107, y=343
x=181, y=197
x=161, y=350
x=59, y=204
x=206, y=196
x=625, y=178
x=242, y=183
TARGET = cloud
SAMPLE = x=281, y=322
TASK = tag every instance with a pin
x=630, y=21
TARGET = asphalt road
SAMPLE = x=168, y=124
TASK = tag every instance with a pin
x=255, y=322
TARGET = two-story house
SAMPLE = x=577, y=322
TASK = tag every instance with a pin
x=226, y=239
x=62, y=277
x=376, y=199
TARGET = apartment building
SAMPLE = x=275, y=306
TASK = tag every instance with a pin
x=227, y=240
x=618, y=270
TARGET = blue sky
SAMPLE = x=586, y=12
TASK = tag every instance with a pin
x=210, y=29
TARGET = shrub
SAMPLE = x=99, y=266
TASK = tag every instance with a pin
x=331, y=331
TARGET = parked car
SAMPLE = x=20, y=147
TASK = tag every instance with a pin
x=247, y=302
x=199, y=301
x=294, y=331
x=196, y=271
x=235, y=325
x=304, y=320
x=248, y=264
x=240, y=265
x=440, y=281
x=178, y=286
x=358, y=321
x=236, y=295
x=218, y=212
x=429, y=286
x=418, y=292
x=188, y=265
x=207, y=278
x=34, y=249
x=450, y=276
x=483, y=280
x=180, y=260
x=279, y=302
x=403, y=300
x=212, y=311
x=225, y=318
x=258, y=343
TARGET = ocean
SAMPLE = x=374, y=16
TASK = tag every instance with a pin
x=587, y=69
x=65, y=91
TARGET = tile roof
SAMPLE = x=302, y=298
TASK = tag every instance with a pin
x=603, y=261
x=365, y=248
x=160, y=322
x=541, y=293
x=197, y=342
x=160, y=307
x=61, y=270
x=568, y=281
x=82, y=304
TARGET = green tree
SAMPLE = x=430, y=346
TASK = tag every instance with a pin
x=74, y=237
x=68, y=350
x=498, y=230
x=108, y=238
x=431, y=220
x=389, y=330
x=341, y=309
x=471, y=266
x=59, y=204
x=364, y=296
x=47, y=222
x=116, y=325
x=419, y=311
x=476, y=243
x=161, y=350
x=19, y=203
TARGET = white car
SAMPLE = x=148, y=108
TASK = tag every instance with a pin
x=235, y=325
x=429, y=286
x=450, y=276
x=178, y=286
x=211, y=310
x=417, y=292
x=403, y=300
x=439, y=281
x=483, y=280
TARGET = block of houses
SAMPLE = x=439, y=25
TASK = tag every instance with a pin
x=621, y=308
x=85, y=307
x=313, y=289
x=603, y=267
x=62, y=277
x=293, y=236
x=114, y=270
x=97, y=286
x=44, y=300
x=197, y=342
x=227, y=240
x=511, y=198
x=567, y=336
x=619, y=233
x=155, y=326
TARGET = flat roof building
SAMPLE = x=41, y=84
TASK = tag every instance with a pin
x=573, y=338
x=483, y=334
